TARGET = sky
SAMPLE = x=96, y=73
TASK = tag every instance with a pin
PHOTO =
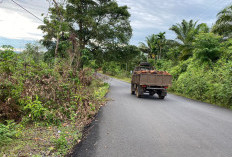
x=17, y=27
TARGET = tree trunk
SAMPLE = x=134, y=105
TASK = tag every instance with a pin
x=73, y=53
x=57, y=45
x=58, y=38
x=160, y=53
x=79, y=61
x=81, y=48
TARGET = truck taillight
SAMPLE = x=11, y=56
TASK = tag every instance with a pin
x=166, y=87
x=144, y=86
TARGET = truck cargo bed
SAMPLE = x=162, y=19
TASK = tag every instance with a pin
x=152, y=79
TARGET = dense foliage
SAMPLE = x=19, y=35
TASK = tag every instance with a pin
x=223, y=24
x=199, y=59
x=29, y=87
x=60, y=85
x=207, y=75
x=186, y=33
x=73, y=27
x=33, y=92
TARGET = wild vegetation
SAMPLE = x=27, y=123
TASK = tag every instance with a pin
x=200, y=59
x=39, y=97
x=49, y=94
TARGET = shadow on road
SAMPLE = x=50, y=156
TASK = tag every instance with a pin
x=148, y=97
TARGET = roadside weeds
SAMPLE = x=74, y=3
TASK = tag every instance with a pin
x=41, y=139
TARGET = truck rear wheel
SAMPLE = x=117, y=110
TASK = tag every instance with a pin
x=162, y=94
x=138, y=92
x=151, y=93
x=132, y=89
x=161, y=97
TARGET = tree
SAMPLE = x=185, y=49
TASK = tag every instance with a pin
x=186, y=33
x=34, y=51
x=154, y=46
x=55, y=27
x=207, y=47
x=85, y=24
x=150, y=47
x=124, y=55
x=7, y=59
x=223, y=25
x=161, y=42
x=97, y=22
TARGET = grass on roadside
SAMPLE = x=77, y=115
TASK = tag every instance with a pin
x=42, y=139
x=39, y=140
x=125, y=79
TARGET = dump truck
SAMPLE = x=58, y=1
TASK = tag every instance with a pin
x=145, y=79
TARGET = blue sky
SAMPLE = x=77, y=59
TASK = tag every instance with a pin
x=17, y=27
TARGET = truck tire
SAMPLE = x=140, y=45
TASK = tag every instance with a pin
x=162, y=94
x=132, y=89
x=161, y=97
x=151, y=93
x=138, y=92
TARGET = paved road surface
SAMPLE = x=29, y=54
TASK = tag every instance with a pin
x=148, y=127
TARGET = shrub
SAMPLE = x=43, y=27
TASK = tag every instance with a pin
x=61, y=144
x=192, y=83
x=207, y=47
x=112, y=68
x=35, y=110
x=7, y=132
x=212, y=83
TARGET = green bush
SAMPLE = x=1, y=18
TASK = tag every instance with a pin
x=207, y=76
x=211, y=83
x=192, y=83
x=8, y=61
x=35, y=110
x=61, y=144
x=207, y=47
x=7, y=132
x=112, y=68
x=220, y=83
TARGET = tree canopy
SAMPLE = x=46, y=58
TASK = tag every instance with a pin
x=223, y=25
x=186, y=32
x=85, y=24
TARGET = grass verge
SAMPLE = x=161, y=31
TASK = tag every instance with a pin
x=125, y=79
x=41, y=139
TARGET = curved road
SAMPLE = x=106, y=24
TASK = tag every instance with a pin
x=148, y=127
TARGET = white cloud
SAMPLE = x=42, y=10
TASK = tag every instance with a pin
x=147, y=16
x=15, y=26
x=154, y=16
x=16, y=23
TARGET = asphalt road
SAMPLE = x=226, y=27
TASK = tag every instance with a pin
x=148, y=127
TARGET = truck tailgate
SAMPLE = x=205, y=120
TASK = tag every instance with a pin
x=155, y=80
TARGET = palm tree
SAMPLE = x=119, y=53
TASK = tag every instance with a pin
x=223, y=25
x=149, y=47
x=186, y=33
x=161, y=42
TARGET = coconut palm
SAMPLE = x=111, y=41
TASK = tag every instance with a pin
x=223, y=25
x=186, y=33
